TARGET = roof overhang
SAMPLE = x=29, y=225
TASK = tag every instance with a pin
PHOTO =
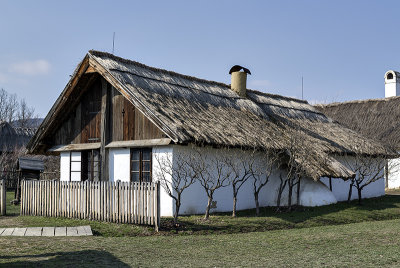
x=139, y=143
x=75, y=147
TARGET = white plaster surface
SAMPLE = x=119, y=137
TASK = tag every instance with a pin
x=119, y=164
x=194, y=198
x=162, y=155
x=393, y=180
x=64, y=166
x=340, y=188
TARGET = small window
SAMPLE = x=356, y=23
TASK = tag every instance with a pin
x=91, y=163
x=141, y=165
x=75, y=166
x=389, y=76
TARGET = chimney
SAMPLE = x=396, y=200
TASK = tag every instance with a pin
x=239, y=79
x=392, y=84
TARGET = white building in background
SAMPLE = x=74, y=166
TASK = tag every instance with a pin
x=117, y=117
x=376, y=119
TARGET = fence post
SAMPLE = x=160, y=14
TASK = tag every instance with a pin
x=157, y=210
x=3, y=199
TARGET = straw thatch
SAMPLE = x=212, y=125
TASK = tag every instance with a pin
x=12, y=138
x=193, y=110
x=375, y=118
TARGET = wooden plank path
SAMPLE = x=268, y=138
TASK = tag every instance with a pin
x=47, y=231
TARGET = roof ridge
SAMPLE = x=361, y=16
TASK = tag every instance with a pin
x=276, y=96
x=124, y=60
x=357, y=101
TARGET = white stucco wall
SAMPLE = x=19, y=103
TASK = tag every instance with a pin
x=119, y=164
x=340, y=188
x=194, y=198
x=393, y=180
x=163, y=155
x=64, y=166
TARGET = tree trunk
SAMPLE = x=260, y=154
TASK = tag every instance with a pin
x=234, y=205
x=210, y=199
x=280, y=191
x=359, y=195
x=18, y=195
x=278, y=200
x=176, y=214
x=290, y=196
x=350, y=192
x=257, y=204
x=298, y=192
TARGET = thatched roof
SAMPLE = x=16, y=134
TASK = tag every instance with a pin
x=12, y=138
x=375, y=118
x=193, y=110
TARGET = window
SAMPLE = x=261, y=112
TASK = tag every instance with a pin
x=389, y=76
x=91, y=163
x=75, y=166
x=141, y=165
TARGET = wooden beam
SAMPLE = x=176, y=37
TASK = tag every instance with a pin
x=104, y=128
x=90, y=70
x=139, y=143
x=75, y=147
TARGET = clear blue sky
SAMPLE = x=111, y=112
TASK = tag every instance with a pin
x=342, y=48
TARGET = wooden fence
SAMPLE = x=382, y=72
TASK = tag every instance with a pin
x=3, y=199
x=120, y=202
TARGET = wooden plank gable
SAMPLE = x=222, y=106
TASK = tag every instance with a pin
x=83, y=123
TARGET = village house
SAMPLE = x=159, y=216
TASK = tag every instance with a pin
x=376, y=119
x=13, y=162
x=116, y=118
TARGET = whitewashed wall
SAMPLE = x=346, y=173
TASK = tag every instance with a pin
x=194, y=198
x=161, y=155
x=340, y=188
x=393, y=181
x=119, y=164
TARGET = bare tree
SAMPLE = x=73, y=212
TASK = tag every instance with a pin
x=212, y=173
x=261, y=170
x=281, y=188
x=12, y=109
x=241, y=171
x=24, y=114
x=295, y=156
x=368, y=169
x=176, y=175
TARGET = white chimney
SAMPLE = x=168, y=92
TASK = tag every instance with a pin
x=239, y=80
x=392, y=84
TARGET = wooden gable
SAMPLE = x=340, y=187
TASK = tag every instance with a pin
x=124, y=121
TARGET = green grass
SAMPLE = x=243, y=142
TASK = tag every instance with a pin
x=375, y=209
x=336, y=236
x=367, y=244
x=11, y=209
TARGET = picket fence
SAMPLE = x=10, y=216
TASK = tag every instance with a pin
x=120, y=202
x=3, y=199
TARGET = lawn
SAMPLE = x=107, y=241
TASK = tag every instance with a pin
x=338, y=235
x=375, y=209
x=367, y=244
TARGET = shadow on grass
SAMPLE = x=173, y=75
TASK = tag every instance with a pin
x=380, y=208
x=85, y=258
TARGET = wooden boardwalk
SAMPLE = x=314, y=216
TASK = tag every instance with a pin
x=47, y=231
